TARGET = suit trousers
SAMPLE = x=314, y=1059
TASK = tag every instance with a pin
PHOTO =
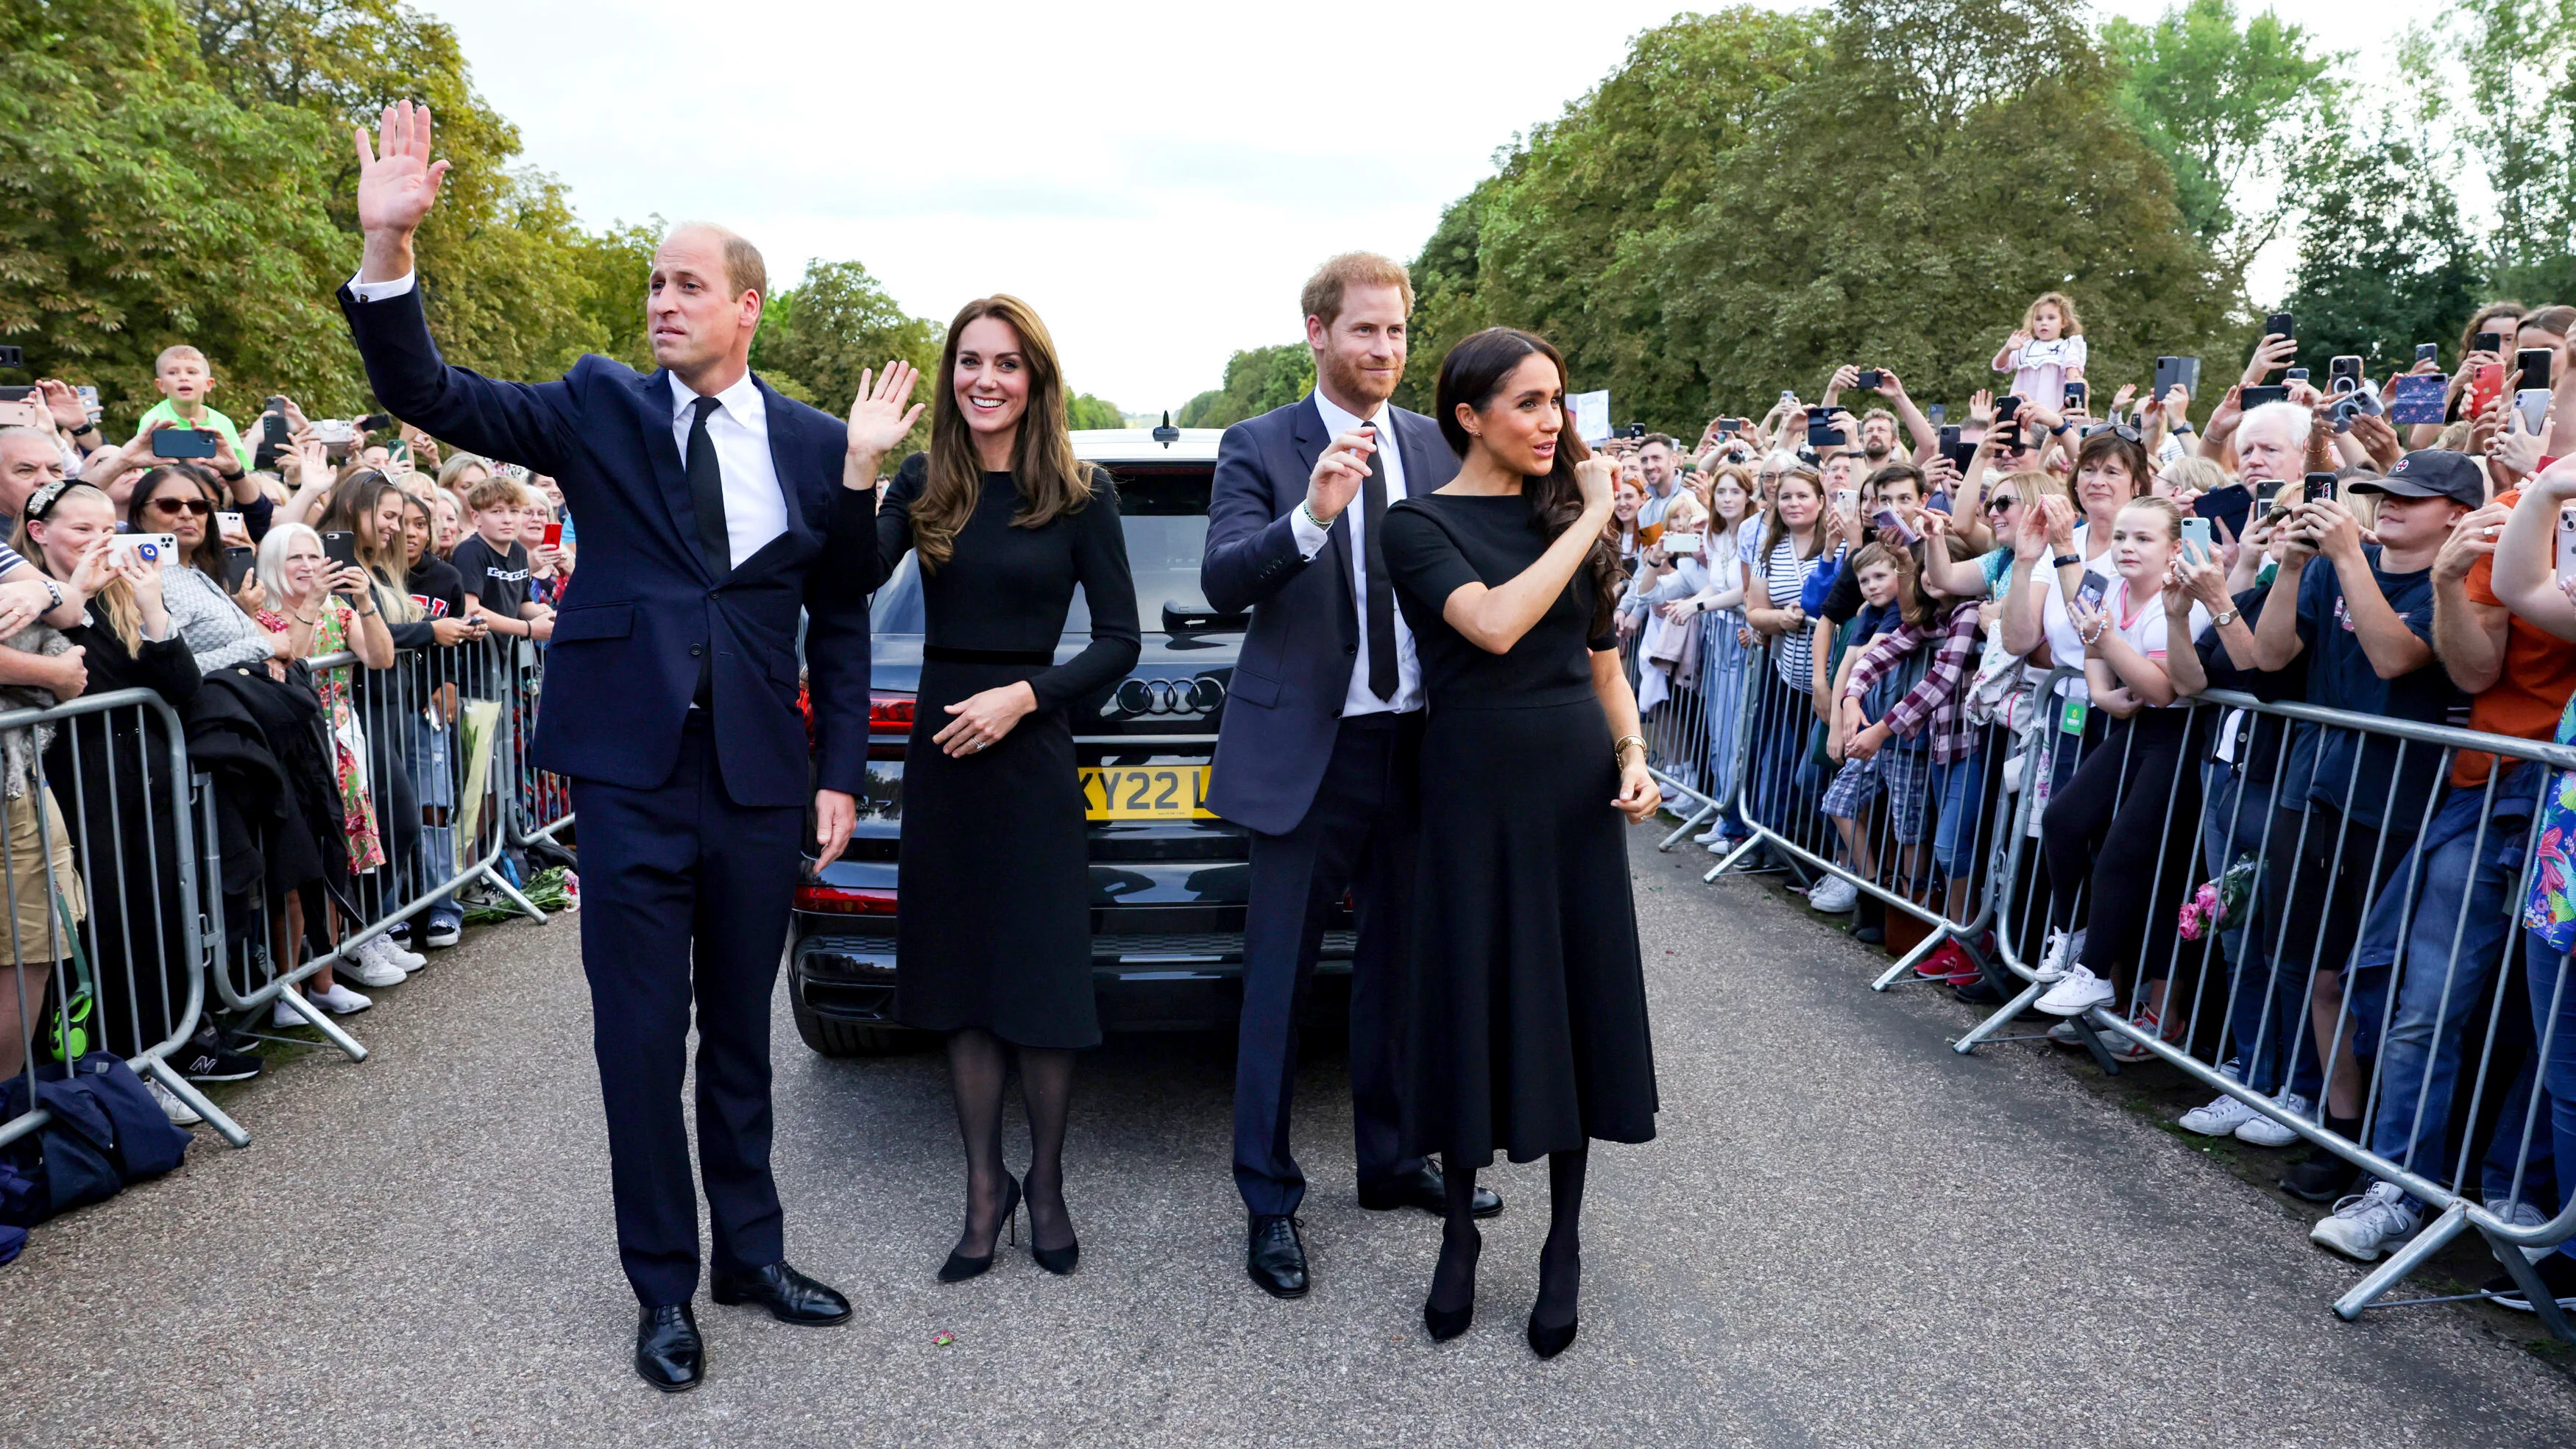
x=685, y=901
x=1358, y=836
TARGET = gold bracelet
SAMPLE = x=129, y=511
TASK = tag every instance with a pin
x=1619, y=747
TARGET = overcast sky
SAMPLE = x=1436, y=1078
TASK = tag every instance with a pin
x=1157, y=179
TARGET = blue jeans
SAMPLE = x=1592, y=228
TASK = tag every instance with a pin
x=2267, y=1012
x=2553, y=1022
x=2460, y=880
x=431, y=756
x=1959, y=793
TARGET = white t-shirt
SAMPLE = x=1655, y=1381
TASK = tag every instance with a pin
x=2040, y=368
x=2064, y=644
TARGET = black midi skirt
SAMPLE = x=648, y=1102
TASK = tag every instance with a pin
x=1525, y=1015
x=993, y=889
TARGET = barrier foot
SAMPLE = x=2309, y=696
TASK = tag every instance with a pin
x=1703, y=813
x=507, y=889
x=2435, y=1236
x=320, y=1020
x=1905, y=965
x=1723, y=866
x=186, y=1091
x=1997, y=1022
x=2544, y=1304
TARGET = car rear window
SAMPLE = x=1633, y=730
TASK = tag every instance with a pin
x=1163, y=509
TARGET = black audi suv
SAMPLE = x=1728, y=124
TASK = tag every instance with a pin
x=1168, y=879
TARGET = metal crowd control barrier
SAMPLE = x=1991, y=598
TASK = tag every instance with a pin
x=1904, y=826
x=1687, y=675
x=2271, y=923
x=108, y=944
x=441, y=732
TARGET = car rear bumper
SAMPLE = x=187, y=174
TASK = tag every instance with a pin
x=1144, y=981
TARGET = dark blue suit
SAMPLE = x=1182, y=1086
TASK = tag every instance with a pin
x=691, y=819
x=1331, y=802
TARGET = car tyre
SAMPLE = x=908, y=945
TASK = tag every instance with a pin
x=833, y=1038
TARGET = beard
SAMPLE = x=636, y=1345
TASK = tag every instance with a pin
x=1351, y=381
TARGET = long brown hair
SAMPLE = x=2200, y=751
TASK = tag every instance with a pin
x=1473, y=372
x=1052, y=482
x=353, y=511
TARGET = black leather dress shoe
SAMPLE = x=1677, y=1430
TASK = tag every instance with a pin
x=667, y=1351
x=1275, y=1256
x=790, y=1296
x=1423, y=1188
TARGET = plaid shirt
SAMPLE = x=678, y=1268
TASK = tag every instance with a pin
x=1936, y=701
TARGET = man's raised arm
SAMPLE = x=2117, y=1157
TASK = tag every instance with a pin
x=397, y=186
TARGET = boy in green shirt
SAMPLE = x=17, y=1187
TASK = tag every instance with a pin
x=184, y=379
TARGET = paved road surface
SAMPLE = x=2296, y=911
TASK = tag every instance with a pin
x=1846, y=1235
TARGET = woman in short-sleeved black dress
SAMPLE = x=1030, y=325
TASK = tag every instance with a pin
x=1525, y=1010
x=993, y=932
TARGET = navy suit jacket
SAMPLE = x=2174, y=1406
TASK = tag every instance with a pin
x=1285, y=704
x=647, y=606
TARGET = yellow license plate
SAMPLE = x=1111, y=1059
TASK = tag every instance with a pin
x=1150, y=792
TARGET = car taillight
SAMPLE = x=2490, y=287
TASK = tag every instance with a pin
x=891, y=712
x=842, y=901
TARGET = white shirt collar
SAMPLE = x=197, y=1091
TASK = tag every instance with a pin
x=1338, y=420
x=741, y=401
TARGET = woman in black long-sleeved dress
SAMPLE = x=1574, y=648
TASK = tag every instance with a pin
x=1525, y=1005
x=993, y=937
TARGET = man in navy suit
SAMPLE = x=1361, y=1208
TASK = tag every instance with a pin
x=707, y=504
x=1322, y=734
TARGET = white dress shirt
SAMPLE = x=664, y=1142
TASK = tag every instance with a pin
x=1311, y=540
x=755, y=507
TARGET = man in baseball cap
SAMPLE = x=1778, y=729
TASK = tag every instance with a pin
x=2430, y=473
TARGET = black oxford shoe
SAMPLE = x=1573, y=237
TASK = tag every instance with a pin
x=790, y=1296
x=1423, y=1188
x=1275, y=1256
x=667, y=1351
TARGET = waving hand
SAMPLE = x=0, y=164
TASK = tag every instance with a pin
x=397, y=185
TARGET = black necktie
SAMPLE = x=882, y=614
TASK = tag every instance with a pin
x=706, y=490
x=1381, y=590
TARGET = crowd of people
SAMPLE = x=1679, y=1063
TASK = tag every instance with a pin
x=1919, y=622
x=328, y=606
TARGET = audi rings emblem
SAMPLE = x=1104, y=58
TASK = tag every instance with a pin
x=1170, y=696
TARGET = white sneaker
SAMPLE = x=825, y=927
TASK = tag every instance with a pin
x=2064, y=1034
x=400, y=955
x=339, y=1000
x=2220, y=1118
x=1709, y=836
x=179, y=1113
x=2523, y=1215
x=2064, y=949
x=2364, y=1227
x=2077, y=993
x=2264, y=1132
x=1833, y=895
x=372, y=967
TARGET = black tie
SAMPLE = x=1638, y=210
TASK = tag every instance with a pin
x=1381, y=589
x=706, y=490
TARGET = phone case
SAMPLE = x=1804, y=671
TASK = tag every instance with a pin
x=2417, y=399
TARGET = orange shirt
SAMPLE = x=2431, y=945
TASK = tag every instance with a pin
x=2528, y=696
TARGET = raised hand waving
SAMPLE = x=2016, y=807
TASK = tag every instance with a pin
x=879, y=419
x=397, y=185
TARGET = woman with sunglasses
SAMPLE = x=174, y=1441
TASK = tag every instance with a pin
x=179, y=501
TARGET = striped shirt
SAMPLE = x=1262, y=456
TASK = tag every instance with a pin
x=1793, y=654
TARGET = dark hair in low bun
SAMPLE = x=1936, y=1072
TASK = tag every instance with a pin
x=1473, y=372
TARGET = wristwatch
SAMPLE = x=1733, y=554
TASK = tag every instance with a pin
x=2221, y=621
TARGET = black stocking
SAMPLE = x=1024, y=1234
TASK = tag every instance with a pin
x=1046, y=1088
x=1453, y=1282
x=977, y=1062
x=1560, y=1263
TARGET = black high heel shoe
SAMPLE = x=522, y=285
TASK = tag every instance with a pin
x=1444, y=1324
x=1549, y=1342
x=1059, y=1261
x=959, y=1267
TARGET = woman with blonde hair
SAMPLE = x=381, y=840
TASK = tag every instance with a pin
x=1004, y=524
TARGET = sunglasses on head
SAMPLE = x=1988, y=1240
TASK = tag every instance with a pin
x=2121, y=431
x=197, y=506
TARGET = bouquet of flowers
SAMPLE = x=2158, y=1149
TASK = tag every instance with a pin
x=2216, y=900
